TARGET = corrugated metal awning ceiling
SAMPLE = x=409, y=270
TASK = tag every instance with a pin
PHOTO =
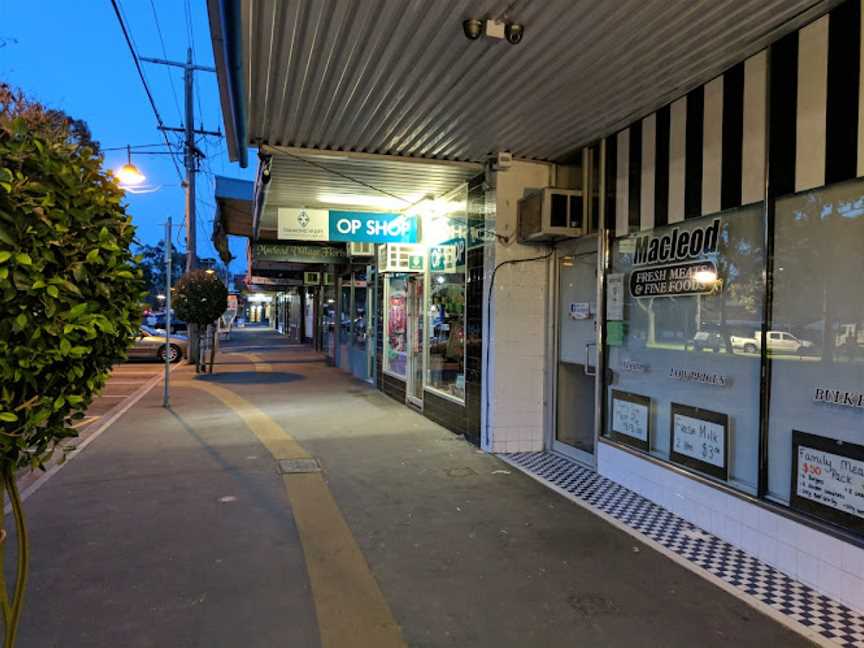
x=302, y=178
x=399, y=76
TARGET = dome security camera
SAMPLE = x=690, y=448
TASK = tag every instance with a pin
x=473, y=28
x=514, y=32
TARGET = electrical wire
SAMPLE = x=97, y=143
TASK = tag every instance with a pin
x=165, y=54
x=345, y=176
x=191, y=31
x=489, y=325
x=152, y=101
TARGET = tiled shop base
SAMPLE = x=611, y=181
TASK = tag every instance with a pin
x=820, y=614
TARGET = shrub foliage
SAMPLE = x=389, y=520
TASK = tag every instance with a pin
x=201, y=297
x=70, y=291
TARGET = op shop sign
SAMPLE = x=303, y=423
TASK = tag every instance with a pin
x=686, y=277
x=345, y=226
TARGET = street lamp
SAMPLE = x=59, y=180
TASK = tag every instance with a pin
x=129, y=174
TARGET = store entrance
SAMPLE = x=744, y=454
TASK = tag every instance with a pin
x=416, y=337
x=576, y=350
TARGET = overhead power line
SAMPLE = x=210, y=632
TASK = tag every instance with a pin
x=165, y=54
x=159, y=121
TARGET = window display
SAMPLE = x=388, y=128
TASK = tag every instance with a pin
x=816, y=345
x=445, y=235
x=689, y=307
x=446, y=333
x=396, y=324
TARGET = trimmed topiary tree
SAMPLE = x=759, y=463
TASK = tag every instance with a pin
x=70, y=297
x=200, y=299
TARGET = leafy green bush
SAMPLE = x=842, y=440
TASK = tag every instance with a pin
x=69, y=296
x=70, y=290
x=201, y=297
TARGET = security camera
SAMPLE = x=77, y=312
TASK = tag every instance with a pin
x=473, y=28
x=514, y=32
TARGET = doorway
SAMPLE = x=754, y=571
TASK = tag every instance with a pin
x=416, y=337
x=576, y=350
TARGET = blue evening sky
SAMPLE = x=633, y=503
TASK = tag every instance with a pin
x=71, y=55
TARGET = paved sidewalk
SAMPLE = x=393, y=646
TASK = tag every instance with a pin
x=176, y=528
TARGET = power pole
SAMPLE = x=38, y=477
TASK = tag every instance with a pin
x=191, y=152
x=191, y=155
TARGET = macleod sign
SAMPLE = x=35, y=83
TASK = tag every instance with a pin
x=687, y=272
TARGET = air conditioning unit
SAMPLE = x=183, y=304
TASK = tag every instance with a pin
x=361, y=249
x=401, y=257
x=311, y=278
x=550, y=215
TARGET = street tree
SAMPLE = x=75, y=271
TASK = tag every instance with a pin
x=201, y=298
x=153, y=269
x=70, y=296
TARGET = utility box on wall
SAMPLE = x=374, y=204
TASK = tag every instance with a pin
x=550, y=215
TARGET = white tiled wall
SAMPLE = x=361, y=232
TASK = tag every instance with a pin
x=516, y=375
x=826, y=564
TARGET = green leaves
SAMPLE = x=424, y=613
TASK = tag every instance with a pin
x=201, y=297
x=69, y=291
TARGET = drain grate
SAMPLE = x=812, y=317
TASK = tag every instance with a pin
x=297, y=466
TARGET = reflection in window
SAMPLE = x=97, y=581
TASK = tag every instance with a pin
x=396, y=324
x=697, y=349
x=447, y=333
x=817, y=337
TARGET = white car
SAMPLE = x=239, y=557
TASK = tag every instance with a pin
x=778, y=342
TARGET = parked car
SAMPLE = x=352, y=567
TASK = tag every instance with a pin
x=158, y=322
x=778, y=342
x=707, y=340
x=151, y=344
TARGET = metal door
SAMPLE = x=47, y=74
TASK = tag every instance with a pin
x=576, y=350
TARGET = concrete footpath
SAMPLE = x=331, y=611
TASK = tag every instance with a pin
x=207, y=525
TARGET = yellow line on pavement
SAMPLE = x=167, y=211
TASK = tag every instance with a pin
x=261, y=365
x=351, y=609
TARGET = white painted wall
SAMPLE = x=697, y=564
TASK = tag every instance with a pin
x=515, y=377
x=826, y=564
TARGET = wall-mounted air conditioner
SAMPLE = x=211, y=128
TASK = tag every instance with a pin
x=550, y=215
x=401, y=257
x=361, y=249
x=311, y=278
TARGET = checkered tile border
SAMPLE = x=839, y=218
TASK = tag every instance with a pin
x=828, y=618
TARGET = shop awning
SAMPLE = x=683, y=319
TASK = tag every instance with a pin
x=346, y=181
x=398, y=77
x=233, y=212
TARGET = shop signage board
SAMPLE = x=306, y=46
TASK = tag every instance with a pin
x=842, y=397
x=675, y=263
x=828, y=479
x=298, y=253
x=273, y=281
x=443, y=258
x=580, y=310
x=700, y=439
x=691, y=278
x=615, y=297
x=700, y=376
x=631, y=419
x=345, y=226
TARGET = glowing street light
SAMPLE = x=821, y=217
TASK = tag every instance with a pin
x=129, y=174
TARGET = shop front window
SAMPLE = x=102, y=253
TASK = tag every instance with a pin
x=816, y=350
x=447, y=334
x=684, y=305
x=396, y=324
x=445, y=237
